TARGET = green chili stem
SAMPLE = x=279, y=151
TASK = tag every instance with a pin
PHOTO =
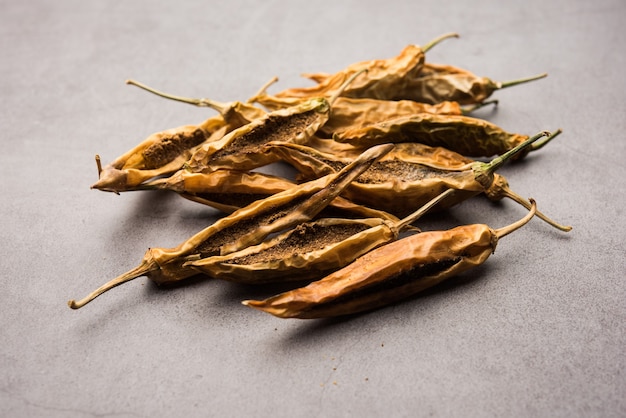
x=505, y=84
x=141, y=270
x=516, y=225
x=435, y=41
x=218, y=106
x=496, y=163
x=403, y=223
x=540, y=144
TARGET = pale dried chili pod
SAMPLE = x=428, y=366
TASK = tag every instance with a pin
x=310, y=250
x=469, y=136
x=240, y=149
x=384, y=78
x=391, y=273
x=165, y=152
x=245, y=227
x=412, y=174
x=439, y=83
x=230, y=190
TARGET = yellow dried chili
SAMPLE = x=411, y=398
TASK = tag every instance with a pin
x=165, y=152
x=310, y=250
x=411, y=175
x=466, y=135
x=438, y=83
x=391, y=273
x=385, y=77
x=230, y=190
x=245, y=227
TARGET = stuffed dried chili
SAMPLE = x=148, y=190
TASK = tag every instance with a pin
x=391, y=273
x=247, y=226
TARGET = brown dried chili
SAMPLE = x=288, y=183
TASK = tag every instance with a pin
x=385, y=77
x=164, y=153
x=411, y=175
x=391, y=273
x=438, y=83
x=245, y=227
x=310, y=250
x=230, y=190
x=466, y=135
x=239, y=149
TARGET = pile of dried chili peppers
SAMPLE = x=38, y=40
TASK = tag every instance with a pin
x=376, y=146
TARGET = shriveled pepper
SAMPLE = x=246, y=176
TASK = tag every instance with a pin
x=391, y=273
x=412, y=174
x=165, y=152
x=230, y=190
x=310, y=250
x=385, y=77
x=245, y=227
x=438, y=83
x=466, y=135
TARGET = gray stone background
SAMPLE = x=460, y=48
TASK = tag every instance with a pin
x=538, y=330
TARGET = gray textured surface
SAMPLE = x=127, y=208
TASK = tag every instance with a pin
x=537, y=331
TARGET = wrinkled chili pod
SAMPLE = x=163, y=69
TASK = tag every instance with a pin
x=411, y=175
x=391, y=273
x=385, y=77
x=439, y=83
x=165, y=152
x=466, y=135
x=230, y=190
x=240, y=148
x=310, y=250
x=247, y=226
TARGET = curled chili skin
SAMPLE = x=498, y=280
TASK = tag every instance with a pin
x=391, y=273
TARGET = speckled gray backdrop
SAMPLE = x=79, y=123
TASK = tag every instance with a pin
x=537, y=331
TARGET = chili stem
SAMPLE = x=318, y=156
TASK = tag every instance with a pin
x=98, y=164
x=220, y=107
x=496, y=163
x=403, y=223
x=519, y=199
x=141, y=270
x=344, y=86
x=516, y=225
x=505, y=84
x=540, y=144
x=435, y=41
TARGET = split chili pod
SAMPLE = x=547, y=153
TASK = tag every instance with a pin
x=309, y=250
x=412, y=174
x=247, y=226
x=391, y=273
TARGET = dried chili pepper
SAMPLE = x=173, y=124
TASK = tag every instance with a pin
x=247, y=226
x=165, y=152
x=438, y=83
x=411, y=175
x=230, y=190
x=463, y=134
x=310, y=250
x=385, y=77
x=240, y=148
x=391, y=273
